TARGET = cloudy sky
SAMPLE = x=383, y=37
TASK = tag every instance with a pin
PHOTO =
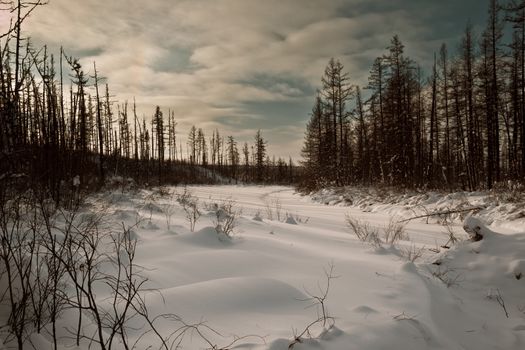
x=242, y=65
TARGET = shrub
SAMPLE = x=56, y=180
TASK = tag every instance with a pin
x=226, y=215
x=363, y=231
x=190, y=204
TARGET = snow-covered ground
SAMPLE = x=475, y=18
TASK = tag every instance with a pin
x=262, y=280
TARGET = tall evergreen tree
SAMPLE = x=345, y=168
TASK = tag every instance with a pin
x=260, y=156
x=336, y=92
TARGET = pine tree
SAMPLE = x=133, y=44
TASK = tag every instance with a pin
x=336, y=92
x=233, y=156
x=260, y=156
x=158, y=122
x=246, y=154
x=516, y=16
x=314, y=148
x=192, y=144
x=376, y=85
x=491, y=39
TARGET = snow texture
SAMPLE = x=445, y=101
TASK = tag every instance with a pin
x=259, y=281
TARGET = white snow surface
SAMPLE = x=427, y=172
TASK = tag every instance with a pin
x=256, y=282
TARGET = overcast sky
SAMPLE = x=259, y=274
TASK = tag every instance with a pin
x=242, y=65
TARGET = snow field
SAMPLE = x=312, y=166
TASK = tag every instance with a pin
x=259, y=281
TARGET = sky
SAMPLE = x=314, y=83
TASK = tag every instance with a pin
x=242, y=65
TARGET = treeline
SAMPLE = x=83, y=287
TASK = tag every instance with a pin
x=462, y=127
x=59, y=122
x=235, y=163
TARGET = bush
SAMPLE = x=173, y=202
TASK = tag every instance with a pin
x=363, y=231
x=190, y=204
x=225, y=219
x=392, y=233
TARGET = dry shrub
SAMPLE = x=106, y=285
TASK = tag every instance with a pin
x=412, y=253
x=363, y=231
x=190, y=204
x=392, y=233
x=226, y=215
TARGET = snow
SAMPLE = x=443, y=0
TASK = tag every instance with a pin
x=261, y=280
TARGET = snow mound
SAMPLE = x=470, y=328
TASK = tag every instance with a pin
x=476, y=228
x=125, y=214
x=152, y=208
x=487, y=276
x=517, y=268
x=364, y=309
x=207, y=237
x=220, y=296
x=149, y=225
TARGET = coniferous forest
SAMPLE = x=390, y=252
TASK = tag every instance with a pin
x=460, y=127
x=59, y=123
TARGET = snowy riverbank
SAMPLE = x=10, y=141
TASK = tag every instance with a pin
x=262, y=279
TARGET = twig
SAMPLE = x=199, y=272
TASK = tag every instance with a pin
x=442, y=213
x=402, y=316
x=500, y=301
x=317, y=300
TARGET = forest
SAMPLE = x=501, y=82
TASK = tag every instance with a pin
x=463, y=127
x=59, y=123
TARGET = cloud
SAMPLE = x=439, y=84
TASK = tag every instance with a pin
x=240, y=65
